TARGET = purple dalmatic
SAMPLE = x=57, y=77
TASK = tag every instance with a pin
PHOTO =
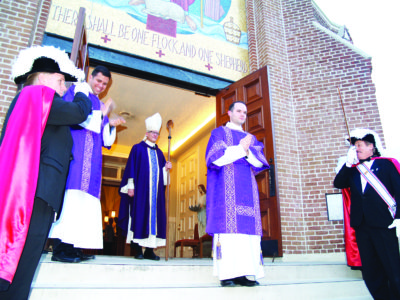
x=85, y=168
x=137, y=167
x=232, y=194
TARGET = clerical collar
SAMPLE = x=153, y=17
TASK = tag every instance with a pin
x=234, y=126
x=150, y=144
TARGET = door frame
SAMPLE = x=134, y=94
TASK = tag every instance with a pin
x=254, y=91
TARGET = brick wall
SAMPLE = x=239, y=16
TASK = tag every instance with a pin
x=22, y=24
x=267, y=46
x=307, y=65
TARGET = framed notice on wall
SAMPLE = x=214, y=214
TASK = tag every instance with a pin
x=334, y=206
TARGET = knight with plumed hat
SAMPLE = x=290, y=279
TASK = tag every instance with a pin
x=35, y=152
x=370, y=184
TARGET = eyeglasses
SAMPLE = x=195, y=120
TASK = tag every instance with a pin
x=153, y=132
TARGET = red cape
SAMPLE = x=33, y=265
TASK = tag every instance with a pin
x=352, y=253
x=350, y=243
x=19, y=165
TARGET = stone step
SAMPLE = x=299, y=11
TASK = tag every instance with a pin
x=351, y=290
x=124, y=276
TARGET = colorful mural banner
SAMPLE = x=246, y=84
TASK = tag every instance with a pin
x=207, y=36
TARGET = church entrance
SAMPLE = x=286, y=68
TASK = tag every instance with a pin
x=195, y=112
x=193, y=116
x=188, y=159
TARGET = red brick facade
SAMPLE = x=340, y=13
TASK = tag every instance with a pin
x=307, y=64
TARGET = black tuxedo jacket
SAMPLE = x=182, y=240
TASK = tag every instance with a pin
x=369, y=205
x=56, y=146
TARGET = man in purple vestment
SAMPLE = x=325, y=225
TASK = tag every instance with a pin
x=233, y=157
x=80, y=224
x=142, y=210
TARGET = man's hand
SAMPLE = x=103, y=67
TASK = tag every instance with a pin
x=108, y=106
x=396, y=223
x=168, y=165
x=131, y=192
x=245, y=142
x=83, y=87
x=116, y=122
x=351, y=157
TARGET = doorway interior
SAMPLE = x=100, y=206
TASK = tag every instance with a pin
x=193, y=116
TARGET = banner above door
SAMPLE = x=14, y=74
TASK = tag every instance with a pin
x=206, y=36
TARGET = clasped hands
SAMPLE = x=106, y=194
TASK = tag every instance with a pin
x=245, y=142
x=108, y=106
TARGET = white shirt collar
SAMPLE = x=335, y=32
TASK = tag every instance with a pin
x=234, y=126
x=151, y=144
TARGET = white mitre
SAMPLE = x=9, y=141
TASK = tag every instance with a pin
x=154, y=123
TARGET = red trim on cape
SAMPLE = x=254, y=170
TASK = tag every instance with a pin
x=350, y=244
x=352, y=253
x=19, y=165
x=393, y=160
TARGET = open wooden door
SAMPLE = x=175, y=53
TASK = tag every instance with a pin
x=79, y=52
x=187, y=196
x=254, y=91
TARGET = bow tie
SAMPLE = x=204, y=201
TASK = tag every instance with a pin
x=364, y=160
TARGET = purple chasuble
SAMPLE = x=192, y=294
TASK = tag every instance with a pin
x=85, y=168
x=233, y=204
x=137, y=167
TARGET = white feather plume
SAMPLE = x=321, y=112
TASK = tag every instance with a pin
x=26, y=58
x=360, y=133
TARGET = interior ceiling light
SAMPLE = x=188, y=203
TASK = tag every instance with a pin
x=125, y=114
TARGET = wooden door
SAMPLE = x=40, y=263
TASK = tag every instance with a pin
x=188, y=193
x=254, y=91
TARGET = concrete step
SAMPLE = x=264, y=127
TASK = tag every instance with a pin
x=108, y=276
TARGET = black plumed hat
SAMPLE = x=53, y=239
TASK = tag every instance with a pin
x=367, y=135
x=44, y=59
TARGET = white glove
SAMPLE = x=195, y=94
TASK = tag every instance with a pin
x=351, y=157
x=396, y=223
x=83, y=87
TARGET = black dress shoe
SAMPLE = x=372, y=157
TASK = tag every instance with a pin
x=84, y=256
x=228, y=283
x=151, y=256
x=139, y=256
x=62, y=257
x=243, y=281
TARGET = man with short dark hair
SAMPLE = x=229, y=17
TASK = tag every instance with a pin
x=35, y=153
x=80, y=224
x=233, y=158
x=374, y=184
